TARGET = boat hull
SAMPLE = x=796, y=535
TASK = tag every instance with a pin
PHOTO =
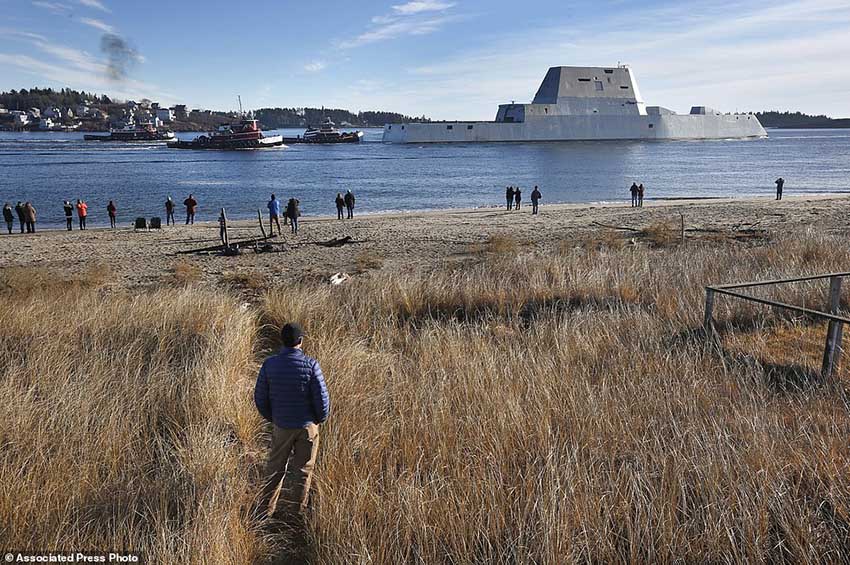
x=229, y=145
x=130, y=138
x=582, y=128
x=348, y=137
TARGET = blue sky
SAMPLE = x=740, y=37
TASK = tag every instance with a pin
x=448, y=59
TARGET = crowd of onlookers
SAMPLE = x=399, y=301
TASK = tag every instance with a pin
x=26, y=212
x=513, y=197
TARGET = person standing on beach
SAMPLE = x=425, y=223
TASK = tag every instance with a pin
x=349, y=203
x=68, y=208
x=19, y=210
x=169, y=211
x=293, y=212
x=340, y=204
x=29, y=217
x=8, y=217
x=191, y=204
x=640, y=195
x=634, y=191
x=292, y=395
x=517, y=197
x=222, y=227
x=112, y=211
x=535, y=200
x=274, y=215
x=780, y=183
x=509, y=197
x=82, y=212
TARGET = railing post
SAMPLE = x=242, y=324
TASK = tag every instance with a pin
x=708, y=320
x=832, y=349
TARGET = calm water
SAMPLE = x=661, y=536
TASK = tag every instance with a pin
x=47, y=168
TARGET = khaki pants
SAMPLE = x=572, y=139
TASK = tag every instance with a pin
x=290, y=467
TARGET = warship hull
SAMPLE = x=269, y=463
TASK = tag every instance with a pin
x=583, y=104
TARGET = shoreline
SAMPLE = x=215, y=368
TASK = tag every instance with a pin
x=658, y=202
x=384, y=243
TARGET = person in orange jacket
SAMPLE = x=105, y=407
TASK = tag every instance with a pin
x=82, y=212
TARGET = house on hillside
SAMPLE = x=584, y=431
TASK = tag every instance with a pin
x=83, y=110
x=52, y=113
x=165, y=114
x=180, y=112
x=46, y=123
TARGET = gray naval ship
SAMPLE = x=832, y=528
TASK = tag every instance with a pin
x=584, y=103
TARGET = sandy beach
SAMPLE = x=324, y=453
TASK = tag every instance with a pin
x=400, y=241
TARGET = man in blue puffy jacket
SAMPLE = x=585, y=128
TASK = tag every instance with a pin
x=274, y=214
x=291, y=393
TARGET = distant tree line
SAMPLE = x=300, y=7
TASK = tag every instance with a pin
x=47, y=97
x=774, y=119
x=273, y=118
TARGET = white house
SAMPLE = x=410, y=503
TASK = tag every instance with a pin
x=165, y=114
x=45, y=123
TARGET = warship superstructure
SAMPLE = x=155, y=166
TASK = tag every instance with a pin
x=584, y=103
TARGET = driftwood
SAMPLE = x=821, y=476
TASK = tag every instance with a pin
x=220, y=247
x=609, y=226
x=336, y=242
x=262, y=229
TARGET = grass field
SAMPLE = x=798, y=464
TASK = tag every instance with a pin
x=512, y=407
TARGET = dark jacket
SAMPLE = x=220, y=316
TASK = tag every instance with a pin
x=169, y=205
x=535, y=195
x=291, y=390
x=7, y=214
x=190, y=204
x=509, y=193
x=349, y=199
x=518, y=195
x=69, y=210
x=111, y=209
x=340, y=202
x=19, y=210
x=292, y=209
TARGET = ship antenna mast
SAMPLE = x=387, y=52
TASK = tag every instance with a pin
x=241, y=113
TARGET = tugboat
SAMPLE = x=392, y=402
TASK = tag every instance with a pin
x=132, y=132
x=244, y=135
x=329, y=134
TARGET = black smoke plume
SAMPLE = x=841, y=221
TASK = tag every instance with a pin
x=120, y=55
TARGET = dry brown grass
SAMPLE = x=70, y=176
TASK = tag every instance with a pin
x=128, y=423
x=24, y=281
x=185, y=272
x=245, y=280
x=368, y=260
x=523, y=409
x=564, y=409
x=497, y=244
x=661, y=234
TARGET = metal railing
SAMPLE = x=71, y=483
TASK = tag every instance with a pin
x=832, y=347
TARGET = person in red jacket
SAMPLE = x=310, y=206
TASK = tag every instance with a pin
x=112, y=211
x=82, y=212
x=191, y=204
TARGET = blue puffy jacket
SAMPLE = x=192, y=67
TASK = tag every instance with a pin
x=291, y=390
x=274, y=207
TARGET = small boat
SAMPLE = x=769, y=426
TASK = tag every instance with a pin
x=329, y=134
x=243, y=135
x=132, y=132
